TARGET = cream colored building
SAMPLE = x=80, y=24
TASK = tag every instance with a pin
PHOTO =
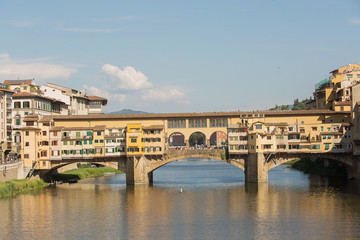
x=106, y=136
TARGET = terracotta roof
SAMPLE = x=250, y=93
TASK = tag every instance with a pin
x=31, y=128
x=345, y=103
x=99, y=127
x=154, y=127
x=202, y=114
x=55, y=129
x=77, y=128
x=25, y=94
x=6, y=90
x=277, y=124
x=31, y=118
x=18, y=82
x=96, y=98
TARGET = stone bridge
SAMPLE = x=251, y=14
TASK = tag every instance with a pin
x=139, y=168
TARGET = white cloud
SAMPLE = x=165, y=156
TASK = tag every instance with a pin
x=114, y=97
x=128, y=78
x=165, y=95
x=41, y=71
x=355, y=21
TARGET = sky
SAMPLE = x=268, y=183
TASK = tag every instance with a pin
x=180, y=56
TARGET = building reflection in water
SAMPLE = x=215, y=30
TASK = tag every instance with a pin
x=242, y=211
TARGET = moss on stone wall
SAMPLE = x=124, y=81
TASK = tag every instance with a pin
x=317, y=167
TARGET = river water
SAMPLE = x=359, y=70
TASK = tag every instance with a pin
x=215, y=204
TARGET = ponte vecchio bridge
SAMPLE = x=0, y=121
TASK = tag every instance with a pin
x=139, y=144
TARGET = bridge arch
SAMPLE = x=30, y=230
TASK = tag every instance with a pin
x=173, y=156
x=197, y=139
x=218, y=139
x=344, y=159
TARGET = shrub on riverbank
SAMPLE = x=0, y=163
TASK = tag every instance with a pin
x=317, y=167
x=9, y=188
x=83, y=173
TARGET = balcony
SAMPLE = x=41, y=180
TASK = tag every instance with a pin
x=133, y=134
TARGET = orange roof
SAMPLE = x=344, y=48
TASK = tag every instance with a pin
x=18, y=82
x=96, y=98
x=24, y=94
x=6, y=90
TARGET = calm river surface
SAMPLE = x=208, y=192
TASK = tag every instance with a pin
x=215, y=204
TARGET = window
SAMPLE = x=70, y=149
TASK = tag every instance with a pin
x=177, y=123
x=44, y=133
x=196, y=123
x=26, y=155
x=77, y=134
x=258, y=126
x=27, y=133
x=65, y=143
x=26, y=144
x=17, y=104
x=98, y=133
x=101, y=141
x=133, y=140
x=55, y=134
x=218, y=122
x=26, y=104
x=88, y=133
x=96, y=141
x=85, y=142
x=17, y=120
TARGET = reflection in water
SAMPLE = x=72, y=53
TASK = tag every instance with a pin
x=292, y=206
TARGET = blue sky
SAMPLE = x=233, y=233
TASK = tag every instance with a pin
x=180, y=56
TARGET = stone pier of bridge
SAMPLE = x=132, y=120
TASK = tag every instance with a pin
x=256, y=165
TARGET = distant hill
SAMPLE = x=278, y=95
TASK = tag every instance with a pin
x=127, y=111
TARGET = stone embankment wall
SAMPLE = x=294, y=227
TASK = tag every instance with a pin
x=12, y=171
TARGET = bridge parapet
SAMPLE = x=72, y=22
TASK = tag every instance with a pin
x=219, y=153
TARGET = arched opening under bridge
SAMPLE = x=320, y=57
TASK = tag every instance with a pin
x=197, y=140
x=192, y=172
x=315, y=165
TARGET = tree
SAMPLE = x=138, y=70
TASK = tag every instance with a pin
x=300, y=105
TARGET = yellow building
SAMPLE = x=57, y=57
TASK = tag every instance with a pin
x=334, y=92
x=134, y=136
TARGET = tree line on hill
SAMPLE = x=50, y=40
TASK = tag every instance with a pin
x=298, y=105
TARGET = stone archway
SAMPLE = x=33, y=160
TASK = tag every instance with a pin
x=218, y=139
x=176, y=140
x=197, y=140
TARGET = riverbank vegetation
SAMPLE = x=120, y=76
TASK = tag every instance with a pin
x=12, y=187
x=317, y=167
x=83, y=173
